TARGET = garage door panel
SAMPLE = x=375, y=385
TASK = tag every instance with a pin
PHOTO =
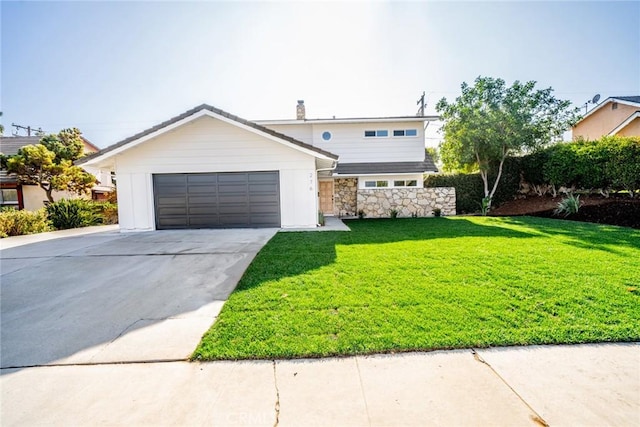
x=217, y=200
x=233, y=209
x=174, y=210
x=264, y=177
x=262, y=198
x=232, y=188
x=204, y=221
x=204, y=179
x=203, y=210
x=203, y=189
x=262, y=187
x=233, y=177
x=264, y=220
x=234, y=220
x=170, y=179
x=232, y=199
x=173, y=222
x=172, y=200
x=202, y=200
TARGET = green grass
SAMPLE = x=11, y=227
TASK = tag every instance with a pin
x=432, y=283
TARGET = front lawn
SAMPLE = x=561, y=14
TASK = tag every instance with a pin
x=432, y=283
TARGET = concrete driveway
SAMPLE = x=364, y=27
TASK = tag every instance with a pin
x=114, y=297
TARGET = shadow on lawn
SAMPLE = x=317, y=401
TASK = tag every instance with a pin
x=292, y=254
x=580, y=234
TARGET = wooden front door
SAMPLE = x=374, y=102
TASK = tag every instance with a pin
x=326, y=197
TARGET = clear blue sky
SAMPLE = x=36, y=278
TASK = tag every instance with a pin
x=113, y=69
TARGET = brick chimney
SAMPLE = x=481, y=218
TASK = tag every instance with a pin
x=300, y=112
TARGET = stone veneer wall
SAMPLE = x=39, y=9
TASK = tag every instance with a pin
x=377, y=203
x=344, y=196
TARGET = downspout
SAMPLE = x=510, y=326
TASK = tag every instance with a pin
x=335, y=165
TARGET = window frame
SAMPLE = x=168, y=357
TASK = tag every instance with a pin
x=376, y=133
x=405, y=183
x=404, y=133
x=376, y=183
x=4, y=202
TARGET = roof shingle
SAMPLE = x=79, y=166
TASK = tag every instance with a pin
x=628, y=98
x=426, y=165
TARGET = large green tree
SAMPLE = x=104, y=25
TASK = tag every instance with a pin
x=49, y=164
x=489, y=122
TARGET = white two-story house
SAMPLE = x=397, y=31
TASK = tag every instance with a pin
x=381, y=163
x=207, y=168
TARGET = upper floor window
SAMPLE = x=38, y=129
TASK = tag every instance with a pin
x=405, y=132
x=326, y=136
x=614, y=106
x=380, y=133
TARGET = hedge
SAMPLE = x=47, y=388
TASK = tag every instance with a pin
x=609, y=164
x=470, y=190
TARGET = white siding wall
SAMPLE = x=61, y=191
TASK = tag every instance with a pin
x=210, y=145
x=349, y=143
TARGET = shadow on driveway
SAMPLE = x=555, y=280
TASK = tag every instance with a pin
x=113, y=297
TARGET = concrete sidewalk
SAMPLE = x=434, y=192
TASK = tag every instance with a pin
x=16, y=241
x=586, y=385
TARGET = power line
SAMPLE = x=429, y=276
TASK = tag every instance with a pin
x=38, y=132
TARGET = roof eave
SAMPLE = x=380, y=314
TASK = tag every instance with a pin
x=605, y=102
x=350, y=120
x=625, y=123
x=193, y=114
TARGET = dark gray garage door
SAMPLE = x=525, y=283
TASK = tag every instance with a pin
x=217, y=200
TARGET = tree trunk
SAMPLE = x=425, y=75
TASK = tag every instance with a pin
x=48, y=190
x=495, y=184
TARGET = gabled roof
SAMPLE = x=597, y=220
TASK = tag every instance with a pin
x=193, y=114
x=384, y=168
x=9, y=145
x=634, y=101
x=625, y=123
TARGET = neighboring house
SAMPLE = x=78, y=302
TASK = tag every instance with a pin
x=207, y=168
x=617, y=115
x=32, y=197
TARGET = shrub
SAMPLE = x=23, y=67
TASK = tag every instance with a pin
x=560, y=167
x=468, y=187
x=73, y=213
x=567, y=206
x=610, y=163
x=623, y=168
x=107, y=211
x=16, y=223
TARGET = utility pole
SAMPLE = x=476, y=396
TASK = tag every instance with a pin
x=27, y=128
x=421, y=104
